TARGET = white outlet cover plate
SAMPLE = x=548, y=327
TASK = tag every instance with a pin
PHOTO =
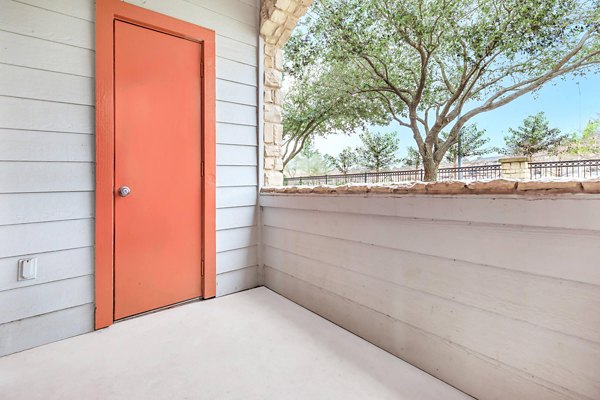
x=27, y=269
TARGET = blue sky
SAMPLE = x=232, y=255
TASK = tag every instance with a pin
x=568, y=104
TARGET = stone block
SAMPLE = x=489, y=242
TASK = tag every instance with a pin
x=269, y=62
x=591, y=186
x=279, y=164
x=447, y=187
x=272, y=150
x=268, y=29
x=272, y=77
x=272, y=113
x=550, y=186
x=268, y=132
x=278, y=133
x=273, y=178
x=382, y=189
x=278, y=59
x=279, y=16
x=284, y=4
x=324, y=189
x=496, y=186
x=268, y=96
x=269, y=163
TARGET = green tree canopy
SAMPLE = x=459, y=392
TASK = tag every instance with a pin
x=314, y=102
x=344, y=161
x=308, y=162
x=472, y=143
x=413, y=158
x=436, y=64
x=378, y=150
x=586, y=143
x=534, y=136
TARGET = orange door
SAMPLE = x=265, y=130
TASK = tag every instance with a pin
x=158, y=157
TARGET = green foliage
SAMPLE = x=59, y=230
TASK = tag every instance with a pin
x=473, y=141
x=588, y=143
x=308, y=162
x=534, y=136
x=433, y=65
x=344, y=161
x=315, y=104
x=413, y=158
x=378, y=151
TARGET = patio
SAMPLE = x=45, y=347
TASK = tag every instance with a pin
x=250, y=345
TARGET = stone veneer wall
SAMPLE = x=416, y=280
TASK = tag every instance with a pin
x=278, y=19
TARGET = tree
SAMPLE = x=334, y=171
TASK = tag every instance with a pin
x=436, y=64
x=588, y=143
x=473, y=143
x=413, y=158
x=314, y=104
x=308, y=162
x=534, y=136
x=344, y=161
x=378, y=151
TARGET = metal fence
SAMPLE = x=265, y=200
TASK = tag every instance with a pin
x=475, y=172
x=565, y=169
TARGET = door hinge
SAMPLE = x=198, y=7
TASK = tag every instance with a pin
x=202, y=168
x=202, y=268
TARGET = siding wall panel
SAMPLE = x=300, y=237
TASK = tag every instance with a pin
x=45, y=85
x=41, y=54
x=26, y=145
x=47, y=158
x=511, y=303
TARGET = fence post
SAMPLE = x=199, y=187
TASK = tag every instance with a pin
x=326, y=179
x=365, y=177
x=514, y=168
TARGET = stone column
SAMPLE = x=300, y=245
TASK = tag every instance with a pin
x=514, y=167
x=272, y=126
x=278, y=20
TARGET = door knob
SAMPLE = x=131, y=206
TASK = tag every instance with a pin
x=124, y=191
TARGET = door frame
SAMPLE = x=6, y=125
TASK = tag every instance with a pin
x=107, y=11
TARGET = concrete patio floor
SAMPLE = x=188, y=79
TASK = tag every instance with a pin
x=250, y=345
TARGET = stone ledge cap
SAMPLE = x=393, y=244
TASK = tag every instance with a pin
x=496, y=186
x=514, y=159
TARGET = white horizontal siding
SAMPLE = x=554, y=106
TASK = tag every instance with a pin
x=18, y=113
x=481, y=378
x=45, y=236
x=73, y=8
x=47, y=150
x=234, y=92
x=25, y=302
x=207, y=17
x=528, y=249
x=236, y=196
x=46, y=328
x=236, y=134
x=18, y=177
x=235, y=259
x=238, y=280
x=236, y=217
x=23, y=208
x=28, y=20
x=465, y=284
x=45, y=85
x=52, y=266
x=237, y=238
x=27, y=145
x=228, y=154
x=42, y=54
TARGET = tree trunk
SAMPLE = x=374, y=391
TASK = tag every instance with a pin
x=431, y=169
